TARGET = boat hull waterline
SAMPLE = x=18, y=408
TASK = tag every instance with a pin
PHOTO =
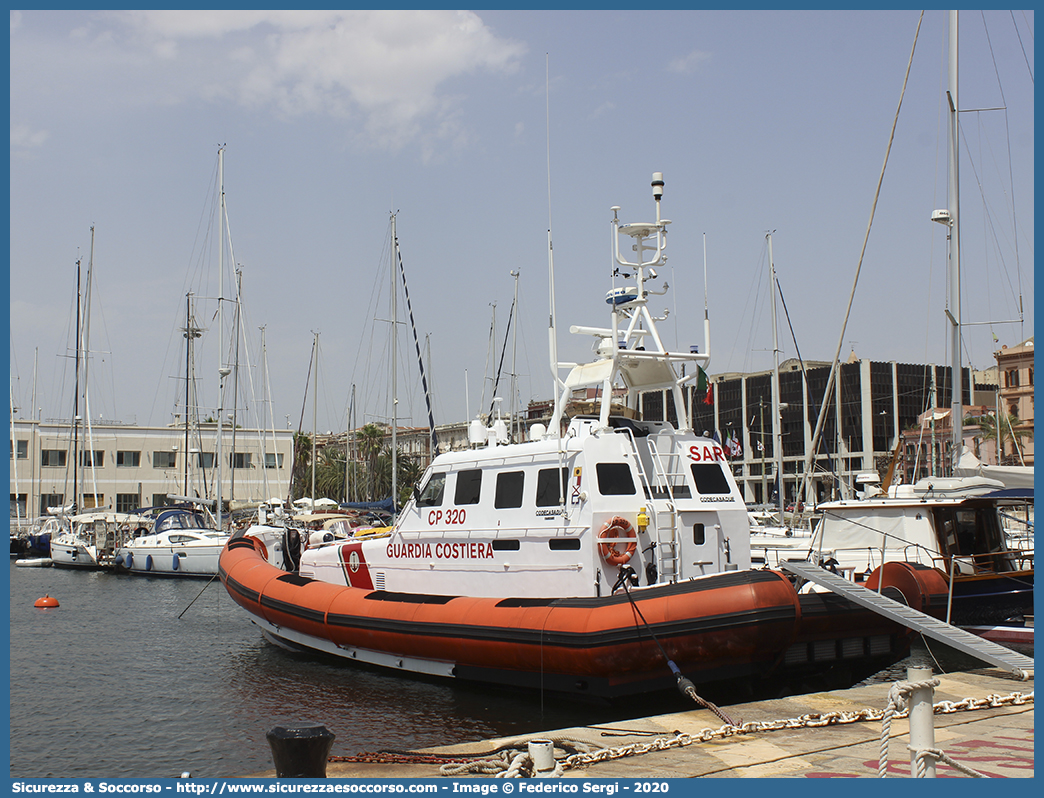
x=736, y=625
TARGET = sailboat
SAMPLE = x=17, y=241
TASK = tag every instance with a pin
x=86, y=539
x=185, y=540
x=953, y=524
x=607, y=555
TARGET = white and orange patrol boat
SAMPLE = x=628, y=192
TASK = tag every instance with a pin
x=607, y=555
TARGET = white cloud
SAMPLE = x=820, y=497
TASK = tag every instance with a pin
x=24, y=138
x=389, y=66
x=688, y=63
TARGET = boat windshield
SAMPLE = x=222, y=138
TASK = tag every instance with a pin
x=179, y=519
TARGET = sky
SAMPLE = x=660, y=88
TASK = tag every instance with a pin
x=481, y=131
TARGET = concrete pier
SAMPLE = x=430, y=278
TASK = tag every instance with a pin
x=995, y=741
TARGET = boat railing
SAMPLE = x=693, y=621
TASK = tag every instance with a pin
x=989, y=563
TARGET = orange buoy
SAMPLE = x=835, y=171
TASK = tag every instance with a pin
x=46, y=601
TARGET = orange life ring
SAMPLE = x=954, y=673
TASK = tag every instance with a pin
x=617, y=530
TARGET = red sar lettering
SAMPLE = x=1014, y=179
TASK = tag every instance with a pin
x=710, y=453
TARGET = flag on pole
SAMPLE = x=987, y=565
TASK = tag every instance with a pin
x=703, y=385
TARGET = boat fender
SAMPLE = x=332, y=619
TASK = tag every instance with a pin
x=148, y=563
x=118, y=560
x=175, y=564
x=617, y=530
x=130, y=561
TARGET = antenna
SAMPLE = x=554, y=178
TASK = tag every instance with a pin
x=552, y=336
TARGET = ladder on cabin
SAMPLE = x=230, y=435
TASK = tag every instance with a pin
x=662, y=491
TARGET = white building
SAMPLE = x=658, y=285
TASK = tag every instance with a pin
x=125, y=467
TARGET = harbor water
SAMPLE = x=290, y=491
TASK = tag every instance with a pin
x=149, y=677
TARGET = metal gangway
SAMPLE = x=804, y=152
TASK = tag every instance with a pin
x=1012, y=661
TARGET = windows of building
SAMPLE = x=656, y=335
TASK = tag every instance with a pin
x=128, y=459
x=54, y=458
x=50, y=500
x=164, y=459
x=95, y=459
x=205, y=459
x=241, y=460
x=273, y=459
x=20, y=450
x=91, y=500
x=127, y=502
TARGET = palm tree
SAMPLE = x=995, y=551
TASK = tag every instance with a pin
x=371, y=441
x=329, y=472
x=302, y=462
x=1001, y=433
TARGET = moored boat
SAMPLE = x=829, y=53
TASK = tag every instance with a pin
x=953, y=524
x=608, y=555
x=182, y=542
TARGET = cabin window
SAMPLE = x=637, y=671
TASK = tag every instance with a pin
x=431, y=496
x=564, y=544
x=509, y=490
x=699, y=534
x=614, y=479
x=549, y=490
x=505, y=545
x=52, y=457
x=128, y=459
x=710, y=478
x=468, y=486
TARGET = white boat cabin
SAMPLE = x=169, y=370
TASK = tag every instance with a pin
x=582, y=506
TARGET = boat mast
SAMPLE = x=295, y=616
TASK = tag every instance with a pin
x=223, y=370
x=954, y=311
x=394, y=366
x=777, y=422
x=76, y=398
x=514, y=355
x=89, y=437
x=315, y=427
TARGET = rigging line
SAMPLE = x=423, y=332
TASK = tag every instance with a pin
x=1023, y=46
x=503, y=351
x=855, y=281
x=420, y=362
x=1007, y=135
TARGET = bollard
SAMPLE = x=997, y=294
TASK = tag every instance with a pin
x=922, y=720
x=300, y=751
x=542, y=752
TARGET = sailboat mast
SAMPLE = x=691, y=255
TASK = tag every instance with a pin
x=223, y=371
x=777, y=432
x=394, y=386
x=956, y=405
x=315, y=427
x=514, y=361
x=76, y=398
